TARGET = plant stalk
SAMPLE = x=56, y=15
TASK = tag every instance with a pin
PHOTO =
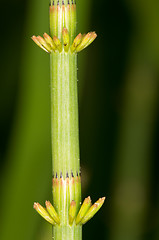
x=64, y=113
x=66, y=216
x=64, y=124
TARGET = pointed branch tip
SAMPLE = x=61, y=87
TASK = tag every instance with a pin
x=42, y=211
x=51, y=210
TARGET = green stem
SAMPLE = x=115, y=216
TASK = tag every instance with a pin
x=64, y=123
x=64, y=113
x=63, y=47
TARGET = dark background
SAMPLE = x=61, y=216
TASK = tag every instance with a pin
x=119, y=118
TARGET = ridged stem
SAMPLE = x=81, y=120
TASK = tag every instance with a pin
x=64, y=114
x=64, y=123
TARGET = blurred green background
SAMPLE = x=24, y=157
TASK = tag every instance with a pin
x=119, y=118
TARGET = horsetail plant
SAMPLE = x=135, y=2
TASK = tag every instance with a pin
x=66, y=215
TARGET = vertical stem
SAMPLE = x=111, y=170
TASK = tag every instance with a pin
x=64, y=113
x=64, y=122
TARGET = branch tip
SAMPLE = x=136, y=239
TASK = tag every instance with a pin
x=51, y=210
x=83, y=210
x=93, y=210
x=42, y=211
